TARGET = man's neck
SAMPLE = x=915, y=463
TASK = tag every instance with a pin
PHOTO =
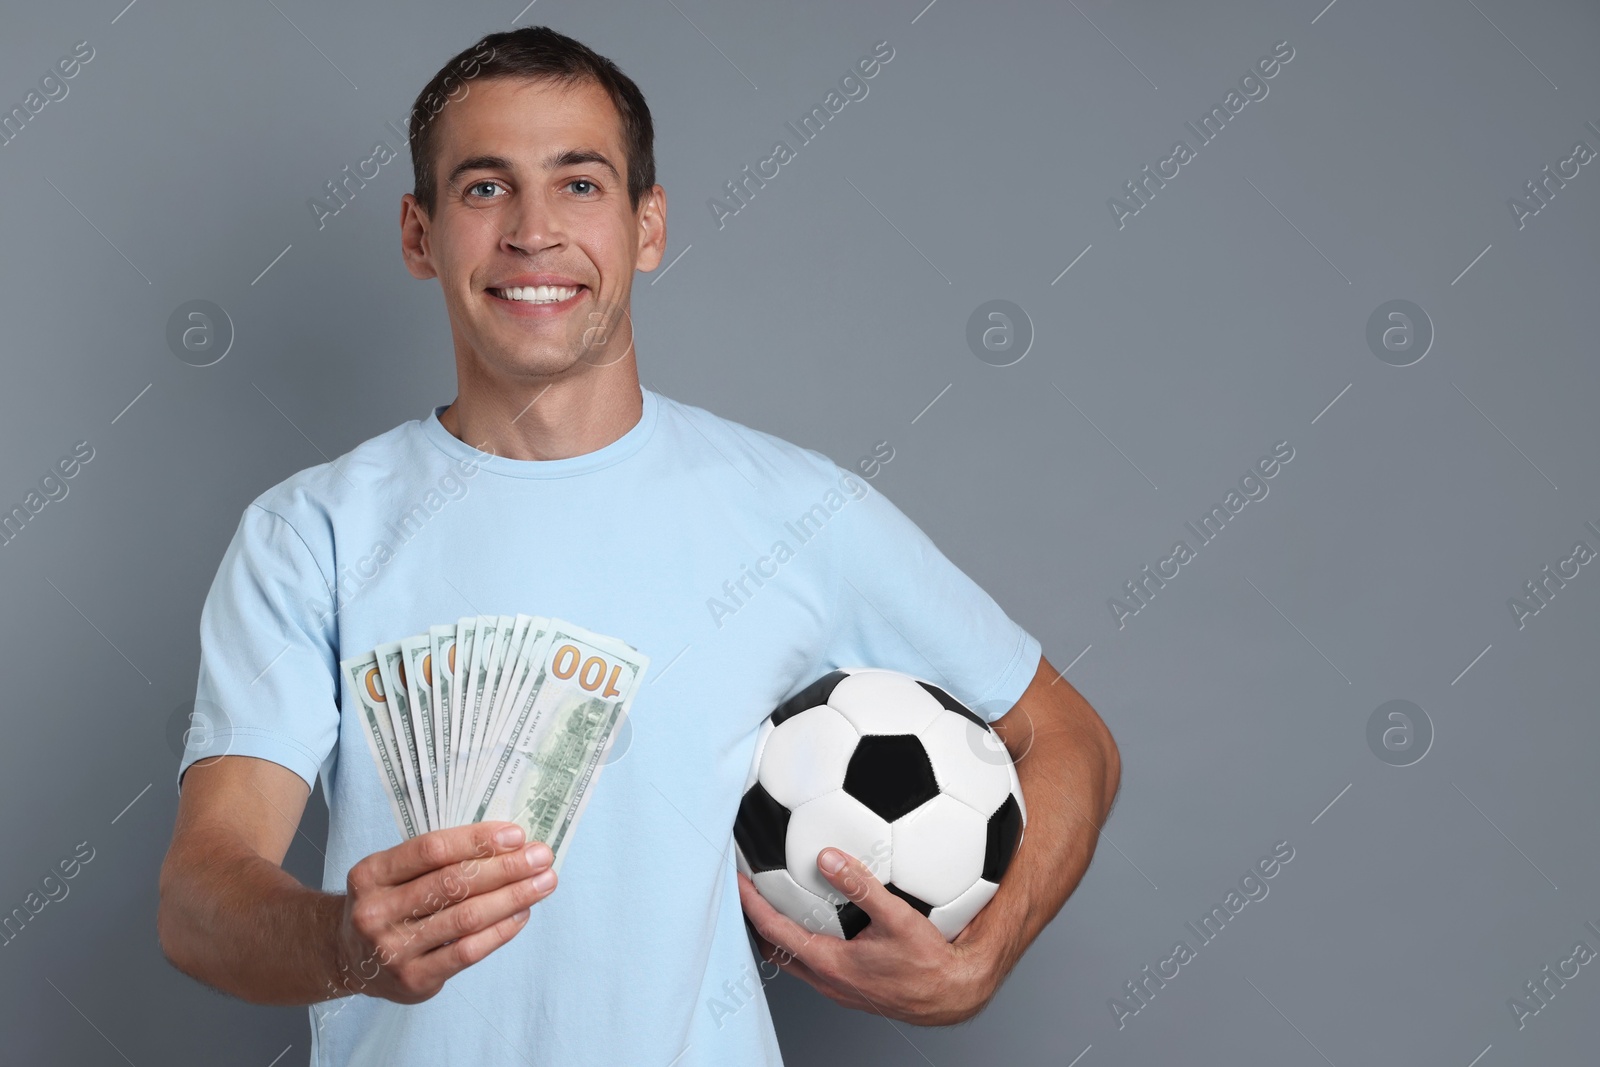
x=557, y=420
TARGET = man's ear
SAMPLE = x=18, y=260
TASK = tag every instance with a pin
x=414, y=249
x=652, y=229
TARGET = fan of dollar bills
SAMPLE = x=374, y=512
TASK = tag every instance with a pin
x=498, y=717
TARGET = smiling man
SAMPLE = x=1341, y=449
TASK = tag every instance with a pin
x=589, y=498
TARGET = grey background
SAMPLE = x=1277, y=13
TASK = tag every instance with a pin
x=1227, y=316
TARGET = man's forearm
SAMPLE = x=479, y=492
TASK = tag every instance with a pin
x=241, y=924
x=1069, y=782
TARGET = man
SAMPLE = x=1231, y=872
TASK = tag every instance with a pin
x=555, y=484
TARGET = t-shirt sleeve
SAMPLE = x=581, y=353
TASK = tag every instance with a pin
x=900, y=604
x=268, y=654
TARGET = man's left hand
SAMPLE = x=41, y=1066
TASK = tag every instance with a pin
x=900, y=966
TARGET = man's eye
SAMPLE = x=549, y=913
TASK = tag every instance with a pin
x=584, y=181
x=476, y=189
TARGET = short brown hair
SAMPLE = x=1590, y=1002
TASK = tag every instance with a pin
x=541, y=53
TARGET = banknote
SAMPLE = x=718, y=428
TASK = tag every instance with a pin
x=364, y=684
x=503, y=762
x=391, y=666
x=417, y=659
x=442, y=642
x=584, y=687
x=493, y=639
x=466, y=635
x=493, y=717
x=507, y=664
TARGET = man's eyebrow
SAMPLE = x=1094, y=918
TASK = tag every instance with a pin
x=571, y=157
x=477, y=163
x=574, y=157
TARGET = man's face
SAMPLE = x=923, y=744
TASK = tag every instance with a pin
x=531, y=235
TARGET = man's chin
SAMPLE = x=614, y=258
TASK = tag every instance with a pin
x=533, y=362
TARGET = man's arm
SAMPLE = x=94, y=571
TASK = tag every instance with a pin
x=412, y=916
x=1070, y=769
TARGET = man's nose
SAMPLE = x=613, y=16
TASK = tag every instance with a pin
x=530, y=226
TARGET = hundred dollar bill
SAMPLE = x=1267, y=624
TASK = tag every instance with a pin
x=497, y=695
x=500, y=752
x=485, y=629
x=583, y=685
x=363, y=685
x=417, y=653
x=485, y=693
x=519, y=671
x=391, y=665
x=466, y=638
x=442, y=656
x=492, y=631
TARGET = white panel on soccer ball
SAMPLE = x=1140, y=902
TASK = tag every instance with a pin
x=953, y=917
x=801, y=905
x=836, y=820
x=939, y=849
x=885, y=702
x=740, y=862
x=807, y=755
x=762, y=735
x=967, y=765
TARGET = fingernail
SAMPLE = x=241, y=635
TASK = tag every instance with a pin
x=538, y=854
x=832, y=860
x=508, y=836
x=544, y=881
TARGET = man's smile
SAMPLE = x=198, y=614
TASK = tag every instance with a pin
x=540, y=300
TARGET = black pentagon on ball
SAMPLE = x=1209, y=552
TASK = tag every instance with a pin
x=853, y=919
x=921, y=905
x=891, y=774
x=812, y=696
x=1005, y=830
x=762, y=828
x=952, y=704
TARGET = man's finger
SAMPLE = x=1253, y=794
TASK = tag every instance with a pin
x=446, y=961
x=856, y=881
x=435, y=849
x=472, y=916
x=776, y=956
x=449, y=885
x=842, y=994
x=781, y=931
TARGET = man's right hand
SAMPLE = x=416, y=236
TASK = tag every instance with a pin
x=416, y=914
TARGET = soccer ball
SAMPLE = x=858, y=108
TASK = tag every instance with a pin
x=893, y=770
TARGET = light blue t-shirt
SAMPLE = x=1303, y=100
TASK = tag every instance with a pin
x=744, y=566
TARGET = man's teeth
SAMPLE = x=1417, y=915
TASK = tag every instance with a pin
x=539, y=294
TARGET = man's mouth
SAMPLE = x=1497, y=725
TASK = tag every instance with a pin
x=538, y=294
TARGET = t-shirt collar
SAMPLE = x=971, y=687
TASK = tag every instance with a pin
x=602, y=457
